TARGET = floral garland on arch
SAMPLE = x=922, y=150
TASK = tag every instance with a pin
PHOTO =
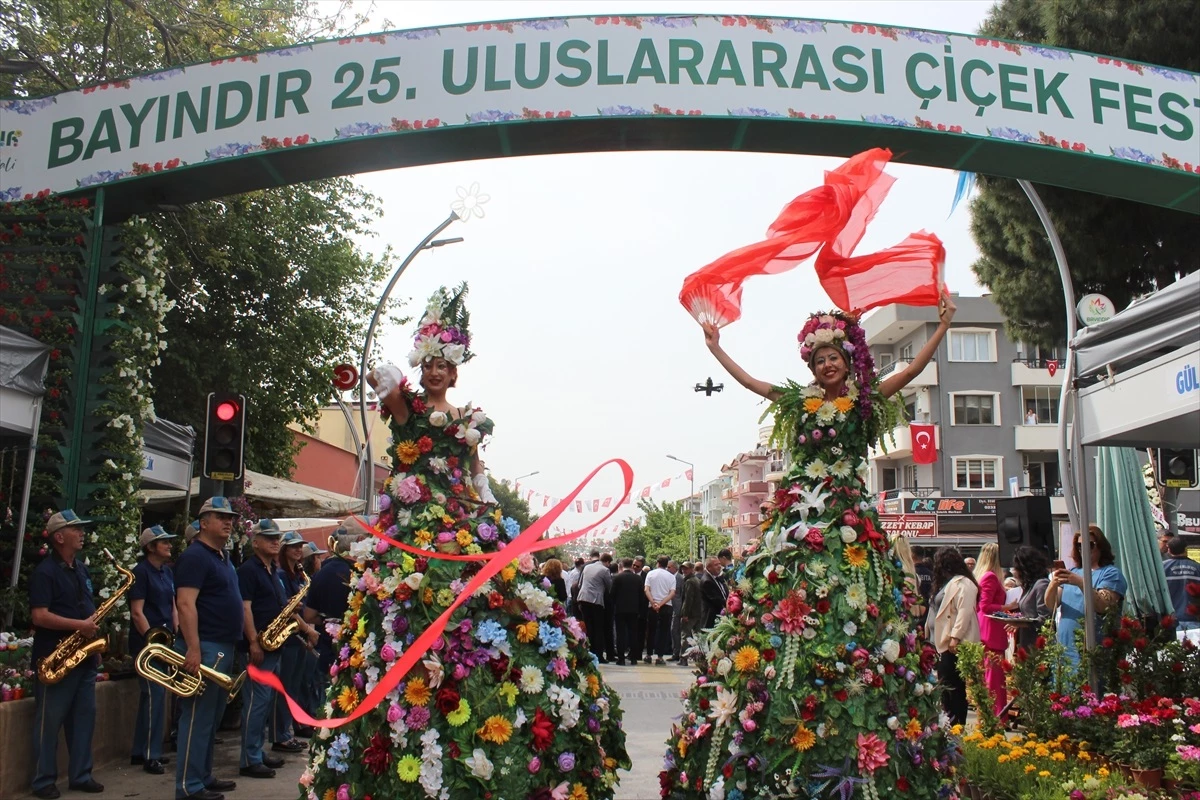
x=135, y=324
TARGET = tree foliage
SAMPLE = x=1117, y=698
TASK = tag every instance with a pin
x=1115, y=247
x=664, y=531
x=511, y=505
x=270, y=289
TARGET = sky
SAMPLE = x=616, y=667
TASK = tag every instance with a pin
x=583, y=352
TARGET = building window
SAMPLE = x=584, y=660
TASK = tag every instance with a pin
x=1041, y=405
x=910, y=476
x=906, y=352
x=973, y=345
x=883, y=361
x=975, y=409
x=977, y=474
x=1043, y=478
x=888, y=477
x=910, y=407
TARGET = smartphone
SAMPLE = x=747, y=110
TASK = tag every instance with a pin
x=1059, y=565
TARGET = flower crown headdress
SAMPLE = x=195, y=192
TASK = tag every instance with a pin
x=840, y=330
x=444, y=330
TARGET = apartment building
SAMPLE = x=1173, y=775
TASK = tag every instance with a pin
x=714, y=506
x=751, y=477
x=994, y=404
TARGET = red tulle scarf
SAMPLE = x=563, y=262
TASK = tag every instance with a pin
x=831, y=219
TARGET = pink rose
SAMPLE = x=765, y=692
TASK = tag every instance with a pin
x=395, y=712
x=343, y=792
x=815, y=539
x=381, y=546
x=388, y=654
x=525, y=563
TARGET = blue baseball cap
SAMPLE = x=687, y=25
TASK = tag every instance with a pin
x=292, y=537
x=217, y=505
x=65, y=519
x=267, y=527
x=154, y=533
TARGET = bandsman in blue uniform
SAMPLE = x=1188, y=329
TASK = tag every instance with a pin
x=151, y=605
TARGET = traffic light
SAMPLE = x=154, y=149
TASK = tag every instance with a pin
x=1176, y=469
x=224, y=436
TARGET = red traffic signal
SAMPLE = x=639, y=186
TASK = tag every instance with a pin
x=224, y=436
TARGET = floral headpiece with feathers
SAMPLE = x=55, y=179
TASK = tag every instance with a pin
x=444, y=331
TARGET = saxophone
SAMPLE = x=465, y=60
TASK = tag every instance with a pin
x=76, y=648
x=274, y=635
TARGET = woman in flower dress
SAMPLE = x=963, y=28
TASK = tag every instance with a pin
x=508, y=703
x=813, y=683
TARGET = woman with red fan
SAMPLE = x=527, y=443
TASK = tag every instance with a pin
x=813, y=683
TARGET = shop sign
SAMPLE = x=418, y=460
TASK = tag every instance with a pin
x=952, y=506
x=909, y=526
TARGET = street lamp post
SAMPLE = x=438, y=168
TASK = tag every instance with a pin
x=526, y=475
x=691, y=516
x=428, y=243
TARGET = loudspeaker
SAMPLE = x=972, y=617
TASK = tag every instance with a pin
x=1023, y=521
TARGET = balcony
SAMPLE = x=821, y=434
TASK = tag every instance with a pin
x=1036, y=372
x=927, y=376
x=1058, y=503
x=728, y=521
x=899, y=443
x=727, y=494
x=749, y=518
x=775, y=470
x=1037, y=437
x=751, y=488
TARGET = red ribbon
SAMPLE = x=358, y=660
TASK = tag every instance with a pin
x=528, y=542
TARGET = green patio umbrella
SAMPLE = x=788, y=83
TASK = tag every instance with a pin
x=1123, y=513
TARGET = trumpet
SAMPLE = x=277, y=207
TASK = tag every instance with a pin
x=175, y=680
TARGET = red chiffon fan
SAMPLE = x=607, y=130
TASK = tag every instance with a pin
x=832, y=219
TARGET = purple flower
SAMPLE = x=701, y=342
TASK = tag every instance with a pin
x=816, y=434
x=566, y=761
x=535, y=765
x=486, y=532
x=418, y=718
x=385, y=502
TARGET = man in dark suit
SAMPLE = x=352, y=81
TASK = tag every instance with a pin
x=627, y=596
x=714, y=591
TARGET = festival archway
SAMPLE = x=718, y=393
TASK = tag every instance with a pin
x=561, y=85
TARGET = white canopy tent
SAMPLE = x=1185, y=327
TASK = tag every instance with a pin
x=23, y=365
x=274, y=497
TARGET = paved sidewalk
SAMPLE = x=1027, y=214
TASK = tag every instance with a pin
x=649, y=697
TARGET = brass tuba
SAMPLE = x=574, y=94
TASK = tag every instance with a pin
x=175, y=680
x=160, y=635
x=76, y=648
x=274, y=635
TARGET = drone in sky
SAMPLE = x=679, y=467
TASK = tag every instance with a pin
x=708, y=387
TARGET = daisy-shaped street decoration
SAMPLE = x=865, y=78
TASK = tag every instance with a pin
x=469, y=203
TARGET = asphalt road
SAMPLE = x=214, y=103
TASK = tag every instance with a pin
x=649, y=697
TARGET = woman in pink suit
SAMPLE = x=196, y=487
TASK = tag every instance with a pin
x=992, y=598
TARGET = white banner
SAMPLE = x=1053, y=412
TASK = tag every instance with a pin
x=846, y=74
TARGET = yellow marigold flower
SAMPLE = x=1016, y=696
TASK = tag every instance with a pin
x=461, y=714
x=448, y=520
x=1029, y=768
x=578, y=792
x=610, y=762
x=1063, y=757
x=683, y=746
x=1018, y=752
x=593, y=685
x=508, y=573
x=495, y=729
x=417, y=693
x=408, y=768
x=913, y=728
x=856, y=556
x=843, y=404
x=803, y=738
x=356, y=660
x=348, y=699
x=1002, y=758
x=330, y=794
x=956, y=729
x=356, y=601
x=1102, y=772
x=427, y=596
x=407, y=452
x=746, y=659
x=423, y=537
x=527, y=631
x=1044, y=773
x=509, y=691
x=812, y=405
x=1042, y=751
x=463, y=537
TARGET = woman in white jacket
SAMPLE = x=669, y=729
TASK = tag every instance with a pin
x=952, y=621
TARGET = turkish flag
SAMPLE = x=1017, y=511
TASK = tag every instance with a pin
x=924, y=442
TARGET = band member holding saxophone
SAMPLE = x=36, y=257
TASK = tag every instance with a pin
x=210, y=622
x=263, y=598
x=60, y=602
x=151, y=611
x=294, y=653
x=328, y=598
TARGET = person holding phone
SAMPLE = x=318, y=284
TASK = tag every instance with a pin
x=1065, y=589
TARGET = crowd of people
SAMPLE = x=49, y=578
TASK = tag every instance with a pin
x=634, y=613
x=212, y=614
